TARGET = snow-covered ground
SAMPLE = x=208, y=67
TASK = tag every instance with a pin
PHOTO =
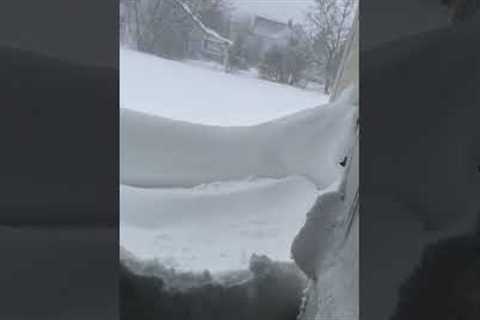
x=213, y=216
x=215, y=227
x=198, y=93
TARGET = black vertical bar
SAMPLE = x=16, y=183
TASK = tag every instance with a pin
x=59, y=159
x=419, y=184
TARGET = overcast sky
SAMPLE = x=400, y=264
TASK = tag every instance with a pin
x=282, y=10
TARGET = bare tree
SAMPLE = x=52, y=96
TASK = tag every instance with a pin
x=163, y=27
x=330, y=24
x=215, y=14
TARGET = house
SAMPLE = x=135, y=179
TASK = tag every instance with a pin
x=261, y=34
x=270, y=32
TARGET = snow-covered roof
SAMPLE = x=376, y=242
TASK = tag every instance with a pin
x=270, y=28
x=201, y=25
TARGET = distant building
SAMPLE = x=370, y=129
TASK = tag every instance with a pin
x=270, y=32
x=261, y=34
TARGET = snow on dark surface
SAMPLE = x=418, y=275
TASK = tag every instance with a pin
x=212, y=174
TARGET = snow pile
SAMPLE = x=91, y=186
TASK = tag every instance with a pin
x=231, y=190
x=211, y=217
x=218, y=226
x=180, y=91
x=326, y=249
x=158, y=152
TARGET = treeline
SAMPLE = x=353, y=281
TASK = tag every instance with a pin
x=312, y=53
x=163, y=27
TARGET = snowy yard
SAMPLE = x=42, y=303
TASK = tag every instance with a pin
x=200, y=93
x=215, y=227
x=213, y=217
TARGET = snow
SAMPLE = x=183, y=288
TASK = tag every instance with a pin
x=215, y=227
x=212, y=217
x=158, y=152
x=215, y=167
x=326, y=247
x=192, y=93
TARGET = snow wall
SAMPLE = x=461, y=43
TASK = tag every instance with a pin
x=156, y=152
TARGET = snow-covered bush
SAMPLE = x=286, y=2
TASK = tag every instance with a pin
x=284, y=64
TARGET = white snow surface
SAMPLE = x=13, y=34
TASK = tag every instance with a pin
x=215, y=227
x=193, y=93
x=158, y=152
x=215, y=167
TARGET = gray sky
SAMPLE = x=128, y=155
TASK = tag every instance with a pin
x=282, y=10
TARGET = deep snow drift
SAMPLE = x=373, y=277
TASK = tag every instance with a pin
x=233, y=191
x=158, y=152
x=218, y=226
x=193, y=93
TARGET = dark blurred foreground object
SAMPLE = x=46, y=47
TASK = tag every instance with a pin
x=58, y=273
x=274, y=292
x=420, y=154
x=446, y=285
x=460, y=10
x=58, y=188
x=58, y=138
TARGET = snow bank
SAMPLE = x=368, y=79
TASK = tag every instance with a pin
x=158, y=152
x=182, y=91
x=326, y=249
x=203, y=142
x=215, y=227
